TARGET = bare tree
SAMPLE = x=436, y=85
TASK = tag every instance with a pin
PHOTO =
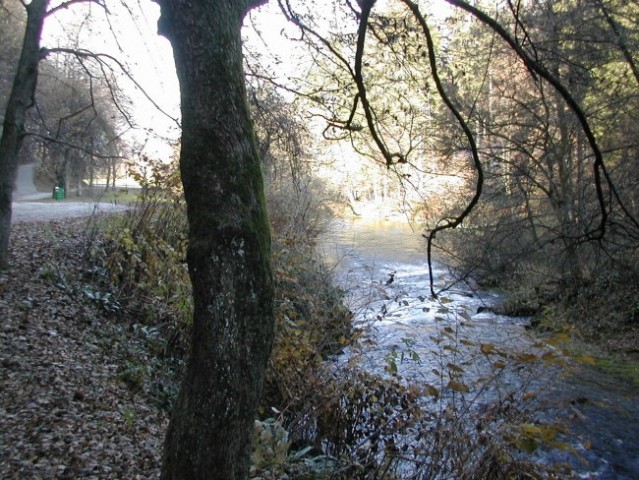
x=75, y=121
x=20, y=99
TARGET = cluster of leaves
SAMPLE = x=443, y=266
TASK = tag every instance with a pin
x=74, y=389
x=365, y=425
x=345, y=423
x=605, y=313
x=270, y=452
x=139, y=258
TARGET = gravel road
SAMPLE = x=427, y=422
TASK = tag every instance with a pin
x=33, y=211
x=31, y=206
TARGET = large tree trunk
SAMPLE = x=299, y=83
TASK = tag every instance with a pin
x=20, y=99
x=229, y=246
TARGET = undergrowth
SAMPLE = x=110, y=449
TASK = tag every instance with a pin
x=320, y=418
x=595, y=298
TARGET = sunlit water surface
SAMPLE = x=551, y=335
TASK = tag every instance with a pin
x=382, y=266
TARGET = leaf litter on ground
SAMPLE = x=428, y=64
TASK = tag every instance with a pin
x=67, y=408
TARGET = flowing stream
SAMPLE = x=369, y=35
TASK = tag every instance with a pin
x=382, y=266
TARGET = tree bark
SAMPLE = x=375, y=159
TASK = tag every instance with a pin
x=114, y=173
x=20, y=99
x=209, y=436
x=108, y=178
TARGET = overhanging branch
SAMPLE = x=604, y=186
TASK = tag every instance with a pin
x=455, y=221
x=103, y=59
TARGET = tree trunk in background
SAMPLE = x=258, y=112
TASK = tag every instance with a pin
x=114, y=173
x=108, y=178
x=20, y=99
x=209, y=436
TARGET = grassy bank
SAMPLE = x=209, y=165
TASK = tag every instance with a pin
x=601, y=316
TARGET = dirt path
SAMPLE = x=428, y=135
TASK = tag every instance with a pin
x=30, y=205
x=32, y=211
x=24, y=181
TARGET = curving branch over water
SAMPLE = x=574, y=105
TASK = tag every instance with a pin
x=479, y=183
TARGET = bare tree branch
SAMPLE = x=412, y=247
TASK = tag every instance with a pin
x=599, y=168
x=389, y=157
x=74, y=146
x=102, y=59
x=456, y=221
x=69, y=3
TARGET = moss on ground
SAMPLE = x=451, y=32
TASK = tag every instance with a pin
x=626, y=368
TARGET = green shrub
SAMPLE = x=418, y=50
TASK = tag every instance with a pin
x=138, y=261
x=270, y=449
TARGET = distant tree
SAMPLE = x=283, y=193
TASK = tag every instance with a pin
x=295, y=196
x=21, y=97
x=74, y=122
x=541, y=198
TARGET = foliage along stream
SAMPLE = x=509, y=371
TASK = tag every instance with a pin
x=382, y=266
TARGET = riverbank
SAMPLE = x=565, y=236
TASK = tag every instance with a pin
x=85, y=385
x=469, y=328
x=602, y=321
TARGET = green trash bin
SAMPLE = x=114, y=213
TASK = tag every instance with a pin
x=58, y=193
